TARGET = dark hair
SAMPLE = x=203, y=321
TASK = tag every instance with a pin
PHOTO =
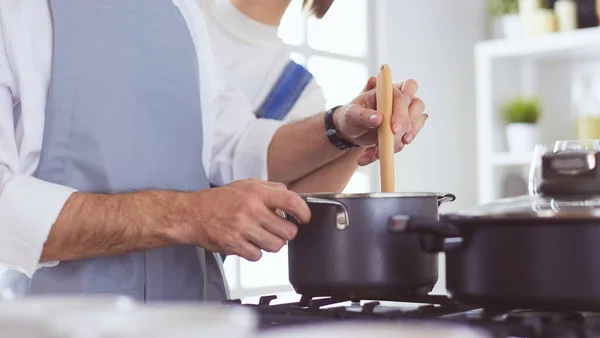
x=318, y=8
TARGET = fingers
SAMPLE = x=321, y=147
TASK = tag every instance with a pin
x=256, y=226
x=369, y=156
x=278, y=226
x=401, y=122
x=357, y=115
x=418, y=118
x=287, y=201
x=263, y=239
x=248, y=251
x=408, y=87
x=371, y=83
x=404, y=93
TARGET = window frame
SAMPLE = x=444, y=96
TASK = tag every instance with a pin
x=371, y=61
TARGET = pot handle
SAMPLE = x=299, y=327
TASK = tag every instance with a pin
x=342, y=220
x=435, y=236
x=446, y=198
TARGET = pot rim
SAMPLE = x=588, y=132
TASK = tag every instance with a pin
x=328, y=195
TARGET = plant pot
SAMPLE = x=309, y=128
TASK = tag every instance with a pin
x=522, y=137
x=507, y=27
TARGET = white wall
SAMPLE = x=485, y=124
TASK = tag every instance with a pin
x=432, y=41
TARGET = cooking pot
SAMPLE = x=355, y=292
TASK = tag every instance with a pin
x=540, y=251
x=346, y=251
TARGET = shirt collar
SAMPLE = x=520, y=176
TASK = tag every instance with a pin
x=241, y=25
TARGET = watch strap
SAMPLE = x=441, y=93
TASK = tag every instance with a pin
x=332, y=134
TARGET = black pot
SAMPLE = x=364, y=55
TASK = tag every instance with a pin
x=346, y=251
x=551, y=261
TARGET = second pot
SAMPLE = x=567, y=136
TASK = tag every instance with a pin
x=346, y=251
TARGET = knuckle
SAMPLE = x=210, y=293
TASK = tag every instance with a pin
x=231, y=248
x=232, y=243
x=418, y=103
x=249, y=203
x=363, y=115
x=255, y=188
x=242, y=210
x=238, y=235
x=400, y=97
x=239, y=218
x=280, y=185
x=291, y=202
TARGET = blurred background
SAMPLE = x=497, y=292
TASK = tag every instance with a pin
x=497, y=78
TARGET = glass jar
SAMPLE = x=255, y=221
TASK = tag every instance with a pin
x=587, y=109
x=598, y=11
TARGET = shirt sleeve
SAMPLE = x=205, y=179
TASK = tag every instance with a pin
x=312, y=101
x=28, y=206
x=240, y=140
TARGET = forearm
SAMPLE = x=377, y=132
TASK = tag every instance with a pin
x=333, y=177
x=92, y=225
x=298, y=149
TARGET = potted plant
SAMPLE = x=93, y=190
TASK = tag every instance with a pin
x=506, y=23
x=521, y=116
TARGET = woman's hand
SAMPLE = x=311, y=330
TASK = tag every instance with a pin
x=357, y=122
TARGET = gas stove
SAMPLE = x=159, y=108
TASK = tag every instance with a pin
x=500, y=323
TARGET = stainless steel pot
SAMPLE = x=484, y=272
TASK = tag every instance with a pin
x=346, y=251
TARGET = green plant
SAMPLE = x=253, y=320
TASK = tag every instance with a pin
x=522, y=110
x=503, y=7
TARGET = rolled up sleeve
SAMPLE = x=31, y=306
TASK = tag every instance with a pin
x=240, y=140
x=28, y=209
x=28, y=206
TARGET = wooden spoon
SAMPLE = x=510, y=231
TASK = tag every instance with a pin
x=385, y=93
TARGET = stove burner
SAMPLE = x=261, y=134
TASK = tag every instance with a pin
x=430, y=308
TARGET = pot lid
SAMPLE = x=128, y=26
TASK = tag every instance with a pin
x=528, y=206
x=564, y=184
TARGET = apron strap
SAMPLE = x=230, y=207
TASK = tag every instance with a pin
x=291, y=83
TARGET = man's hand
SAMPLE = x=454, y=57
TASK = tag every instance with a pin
x=358, y=121
x=239, y=218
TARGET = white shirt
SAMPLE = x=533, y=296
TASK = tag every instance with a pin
x=235, y=142
x=253, y=57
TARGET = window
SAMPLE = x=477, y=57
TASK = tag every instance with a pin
x=338, y=51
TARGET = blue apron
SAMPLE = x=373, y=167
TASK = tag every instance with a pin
x=124, y=114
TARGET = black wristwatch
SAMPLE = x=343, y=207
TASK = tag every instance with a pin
x=332, y=134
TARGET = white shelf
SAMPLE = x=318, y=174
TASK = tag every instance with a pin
x=511, y=159
x=507, y=68
x=573, y=44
